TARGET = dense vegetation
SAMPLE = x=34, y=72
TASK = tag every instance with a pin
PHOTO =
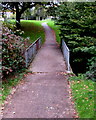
x=16, y=41
x=13, y=51
x=78, y=28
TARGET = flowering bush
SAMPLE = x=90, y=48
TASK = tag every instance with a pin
x=13, y=47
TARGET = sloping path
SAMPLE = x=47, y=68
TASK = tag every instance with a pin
x=45, y=93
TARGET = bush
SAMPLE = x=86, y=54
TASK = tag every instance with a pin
x=13, y=52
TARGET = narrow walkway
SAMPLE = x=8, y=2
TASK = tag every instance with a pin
x=45, y=93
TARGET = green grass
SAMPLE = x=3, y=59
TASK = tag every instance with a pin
x=11, y=82
x=32, y=29
x=83, y=95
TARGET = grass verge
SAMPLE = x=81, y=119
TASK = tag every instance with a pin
x=83, y=95
x=10, y=83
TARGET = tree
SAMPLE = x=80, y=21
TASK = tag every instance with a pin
x=19, y=8
x=27, y=14
x=78, y=28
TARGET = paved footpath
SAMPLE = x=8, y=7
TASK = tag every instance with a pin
x=45, y=93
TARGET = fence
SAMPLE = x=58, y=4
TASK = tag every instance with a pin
x=66, y=54
x=32, y=50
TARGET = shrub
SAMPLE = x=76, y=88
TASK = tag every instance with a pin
x=13, y=51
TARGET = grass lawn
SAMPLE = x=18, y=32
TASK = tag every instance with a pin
x=32, y=29
x=83, y=95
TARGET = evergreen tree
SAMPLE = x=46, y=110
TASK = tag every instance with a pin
x=78, y=28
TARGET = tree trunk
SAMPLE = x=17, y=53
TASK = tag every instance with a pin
x=18, y=15
x=18, y=21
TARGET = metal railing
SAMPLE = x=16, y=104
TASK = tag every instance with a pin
x=31, y=51
x=66, y=54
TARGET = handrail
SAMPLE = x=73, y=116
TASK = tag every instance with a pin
x=31, y=51
x=66, y=54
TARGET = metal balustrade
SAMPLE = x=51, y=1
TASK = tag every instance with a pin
x=66, y=54
x=31, y=51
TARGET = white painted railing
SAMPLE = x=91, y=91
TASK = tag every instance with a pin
x=66, y=54
x=31, y=51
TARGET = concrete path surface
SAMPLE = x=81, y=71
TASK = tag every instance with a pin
x=45, y=93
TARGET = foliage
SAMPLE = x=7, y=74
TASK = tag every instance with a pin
x=78, y=29
x=13, y=50
x=91, y=74
x=51, y=11
x=15, y=41
x=83, y=94
x=27, y=14
x=19, y=8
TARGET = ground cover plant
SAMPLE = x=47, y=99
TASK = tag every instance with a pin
x=13, y=62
